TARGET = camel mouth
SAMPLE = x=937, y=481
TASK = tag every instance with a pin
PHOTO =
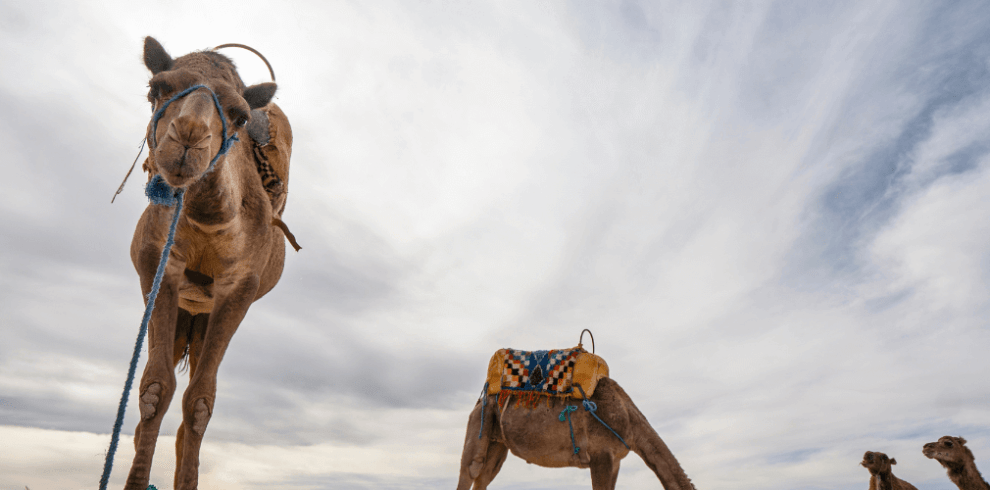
x=179, y=165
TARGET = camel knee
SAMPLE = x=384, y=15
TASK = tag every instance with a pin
x=152, y=398
x=475, y=469
x=198, y=415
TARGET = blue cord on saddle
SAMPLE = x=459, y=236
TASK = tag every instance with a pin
x=590, y=407
x=484, y=401
x=566, y=413
x=159, y=192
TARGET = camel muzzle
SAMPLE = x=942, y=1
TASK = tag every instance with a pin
x=185, y=140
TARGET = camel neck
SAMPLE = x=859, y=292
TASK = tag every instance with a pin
x=656, y=455
x=884, y=481
x=967, y=477
x=212, y=200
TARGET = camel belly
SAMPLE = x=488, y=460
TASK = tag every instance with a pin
x=537, y=435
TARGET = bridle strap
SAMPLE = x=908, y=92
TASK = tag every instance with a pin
x=224, y=145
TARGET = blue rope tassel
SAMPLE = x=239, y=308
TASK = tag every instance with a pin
x=566, y=413
x=484, y=401
x=108, y=465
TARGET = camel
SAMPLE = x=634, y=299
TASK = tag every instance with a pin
x=958, y=461
x=228, y=250
x=881, y=476
x=537, y=434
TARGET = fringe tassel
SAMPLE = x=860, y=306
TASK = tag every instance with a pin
x=528, y=399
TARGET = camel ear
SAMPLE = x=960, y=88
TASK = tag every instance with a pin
x=260, y=95
x=961, y=440
x=893, y=461
x=155, y=57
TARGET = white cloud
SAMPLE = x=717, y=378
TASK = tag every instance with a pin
x=716, y=191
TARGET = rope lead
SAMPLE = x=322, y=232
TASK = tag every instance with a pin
x=152, y=295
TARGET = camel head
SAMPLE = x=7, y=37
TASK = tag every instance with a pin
x=189, y=132
x=877, y=462
x=948, y=450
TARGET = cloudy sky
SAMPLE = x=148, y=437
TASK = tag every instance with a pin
x=774, y=216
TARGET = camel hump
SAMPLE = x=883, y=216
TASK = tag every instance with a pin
x=271, y=136
x=552, y=373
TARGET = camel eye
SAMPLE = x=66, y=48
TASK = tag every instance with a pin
x=948, y=443
x=240, y=121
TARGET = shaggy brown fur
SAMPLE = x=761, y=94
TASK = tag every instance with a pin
x=227, y=253
x=538, y=436
x=881, y=476
x=958, y=461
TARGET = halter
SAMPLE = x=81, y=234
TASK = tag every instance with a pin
x=157, y=190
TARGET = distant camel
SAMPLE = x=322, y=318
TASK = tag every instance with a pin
x=535, y=430
x=881, y=476
x=958, y=461
x=229, y=249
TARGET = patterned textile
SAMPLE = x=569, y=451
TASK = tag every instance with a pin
x=546, y=371
x=533, y=375
x=269, y=179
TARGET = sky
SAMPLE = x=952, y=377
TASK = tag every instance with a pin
x=773, y=216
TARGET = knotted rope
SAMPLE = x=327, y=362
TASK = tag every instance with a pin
x=158, y=192
x=590, y=407
x=566, y=414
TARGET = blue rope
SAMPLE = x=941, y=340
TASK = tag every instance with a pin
x=591, y=406
x=152, y=295
x=566, y=414
x=159, y=192
x=484, y=401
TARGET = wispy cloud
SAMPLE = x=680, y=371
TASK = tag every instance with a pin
x=772, y=216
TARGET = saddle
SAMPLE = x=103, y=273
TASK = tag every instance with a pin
x=271, y=141
x=544, y=373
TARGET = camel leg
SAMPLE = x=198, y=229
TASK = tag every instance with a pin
x=474, y=455
x=234, y=297
x=604, y=472
x=158, y=381
x=194, y=338
x=497, y=452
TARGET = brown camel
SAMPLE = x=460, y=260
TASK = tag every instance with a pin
x=881, y=476
x=536, y=434
x=958, y=461
x=227, y=251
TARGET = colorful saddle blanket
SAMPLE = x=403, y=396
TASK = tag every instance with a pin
x=545, y=372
